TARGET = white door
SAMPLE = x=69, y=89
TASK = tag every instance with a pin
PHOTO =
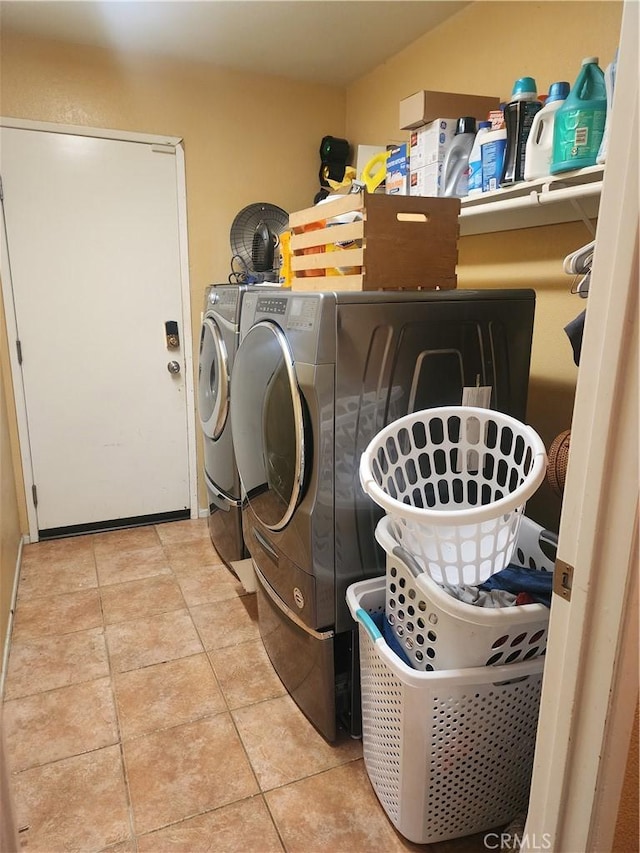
x=93, y=251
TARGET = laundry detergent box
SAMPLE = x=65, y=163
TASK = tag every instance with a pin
x=429, y=144
x=397, y=178
x=427, y=181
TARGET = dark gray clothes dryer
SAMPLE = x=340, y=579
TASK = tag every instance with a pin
x=316, y=376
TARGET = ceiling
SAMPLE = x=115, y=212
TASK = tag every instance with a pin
x=331, y=41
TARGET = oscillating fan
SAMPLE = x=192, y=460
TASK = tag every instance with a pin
x=254, y=238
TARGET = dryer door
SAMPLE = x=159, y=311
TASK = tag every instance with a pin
x=213, y=380
x=267, y=421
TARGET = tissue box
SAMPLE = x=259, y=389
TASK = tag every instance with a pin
x=424, y=107
x=429, y=144
x=397, y=179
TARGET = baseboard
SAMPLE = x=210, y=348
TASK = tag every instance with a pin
x=203, y=513
x=24, y=540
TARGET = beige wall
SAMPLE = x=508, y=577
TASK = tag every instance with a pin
x=482, y=50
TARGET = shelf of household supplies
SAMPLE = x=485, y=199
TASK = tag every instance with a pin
x=567, y=197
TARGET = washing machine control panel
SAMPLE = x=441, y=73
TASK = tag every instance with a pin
x=302, y=314
x=271, y=305
x=293, y=313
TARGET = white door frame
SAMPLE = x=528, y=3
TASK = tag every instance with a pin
x=11, y=319
x=590, y=686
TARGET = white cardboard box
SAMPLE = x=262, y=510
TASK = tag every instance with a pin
x=429, y=144
x=427, y=181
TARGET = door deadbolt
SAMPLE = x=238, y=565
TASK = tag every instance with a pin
x=173, y=367
x=171, y=334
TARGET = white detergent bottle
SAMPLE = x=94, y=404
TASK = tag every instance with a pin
x=475, y=159
x=455, y=168
x=539, y=148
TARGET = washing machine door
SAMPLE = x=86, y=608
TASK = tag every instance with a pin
x=213, y=380
x=267, y=421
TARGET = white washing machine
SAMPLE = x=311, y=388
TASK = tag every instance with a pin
x=316, y=376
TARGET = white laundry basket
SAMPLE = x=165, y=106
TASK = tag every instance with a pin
x=454, y=480
x=438, y=631
x=448, y=753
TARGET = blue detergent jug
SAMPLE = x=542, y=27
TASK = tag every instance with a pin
x=579, y=123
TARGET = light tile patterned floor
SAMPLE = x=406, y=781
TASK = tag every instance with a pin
x=142, y=713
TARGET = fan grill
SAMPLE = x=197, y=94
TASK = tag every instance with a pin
x=246, y=223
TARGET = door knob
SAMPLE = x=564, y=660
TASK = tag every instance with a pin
x=173, y=367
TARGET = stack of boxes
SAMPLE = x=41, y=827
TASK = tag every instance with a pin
x=416, y=168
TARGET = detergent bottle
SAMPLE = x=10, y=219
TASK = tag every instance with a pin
x=539, y=148
x=475, y=159
x=609, y=84
x=455, y=168
x=518, y=118
x=492, y=148
x=579, y=124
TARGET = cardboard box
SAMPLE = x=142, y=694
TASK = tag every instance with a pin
x=424, y=107
x=429, y=144
x=397, y=179
x=427, y=181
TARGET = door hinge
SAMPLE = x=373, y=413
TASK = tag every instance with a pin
x=563, y=579
x=34, y=493
x=19, y=348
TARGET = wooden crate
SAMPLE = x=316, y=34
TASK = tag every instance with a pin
x=395, y=243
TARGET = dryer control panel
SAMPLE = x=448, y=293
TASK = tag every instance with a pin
x=299, y=312
x=271, y=305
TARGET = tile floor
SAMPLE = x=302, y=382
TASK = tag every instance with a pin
x=141, y=713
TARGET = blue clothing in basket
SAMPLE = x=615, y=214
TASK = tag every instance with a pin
x=518, y=579
x=382, y=624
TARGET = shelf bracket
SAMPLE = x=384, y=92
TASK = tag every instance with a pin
x=587, y=222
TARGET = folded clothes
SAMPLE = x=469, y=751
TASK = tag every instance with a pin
x=517, y=579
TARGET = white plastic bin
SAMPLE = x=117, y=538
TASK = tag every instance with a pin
x=454, y=480
x=448, y=753
x=438, y=631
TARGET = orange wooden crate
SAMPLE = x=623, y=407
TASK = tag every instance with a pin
x=396, y=243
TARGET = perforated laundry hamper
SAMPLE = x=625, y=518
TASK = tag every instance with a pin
x=438, y=631
x=448, y=753
x=454, y=480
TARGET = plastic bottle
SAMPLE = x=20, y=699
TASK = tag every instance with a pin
x=492, y=149
x=610, y=85
x=455, y=168
x=475, y=159
x=518, y=118
x=539, y=149
x=579, y=125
